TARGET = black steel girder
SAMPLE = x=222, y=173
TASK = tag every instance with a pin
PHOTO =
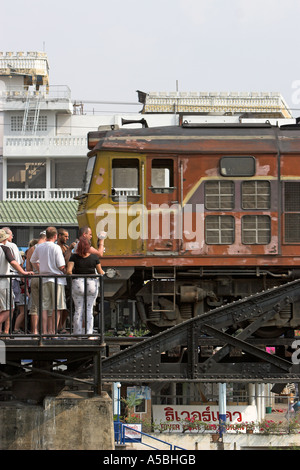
x=153, y=360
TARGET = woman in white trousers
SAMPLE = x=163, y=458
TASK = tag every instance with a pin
x=84, y=262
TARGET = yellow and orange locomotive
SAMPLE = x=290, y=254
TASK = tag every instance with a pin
x=196, y=216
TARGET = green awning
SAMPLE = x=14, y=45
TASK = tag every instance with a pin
x=38, y=213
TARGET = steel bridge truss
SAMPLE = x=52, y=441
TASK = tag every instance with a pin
x=176, y=355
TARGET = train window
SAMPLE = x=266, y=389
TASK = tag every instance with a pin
x=219, y=195
x=256, y=229
x=219, y=229
x=88, y=174
x=292, y=212
x=125, y=179
x=237, y=166
x=256, y=195
x=162, y=176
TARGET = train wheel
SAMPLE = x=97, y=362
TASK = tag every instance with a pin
x=269, y=332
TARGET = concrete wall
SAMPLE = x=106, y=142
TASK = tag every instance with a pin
x=66, y=422
x=190, y=441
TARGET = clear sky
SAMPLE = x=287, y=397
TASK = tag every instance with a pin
x=106, y=50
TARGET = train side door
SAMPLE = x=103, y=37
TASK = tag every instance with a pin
x=163, y=205
x=121, y=211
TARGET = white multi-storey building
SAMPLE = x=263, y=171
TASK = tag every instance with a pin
x=43, y=138
x=41, y=160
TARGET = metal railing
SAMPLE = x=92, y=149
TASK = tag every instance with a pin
x=121, y=438
x=7, y=326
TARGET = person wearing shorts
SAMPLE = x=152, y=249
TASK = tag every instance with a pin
x=7, y=260
x=48, y=259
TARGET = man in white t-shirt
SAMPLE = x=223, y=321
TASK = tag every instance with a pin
x=34, y=286
x=48, y=260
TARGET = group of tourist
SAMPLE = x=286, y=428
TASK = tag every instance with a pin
x=50, y=259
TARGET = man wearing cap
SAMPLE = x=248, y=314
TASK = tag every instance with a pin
x=6, y=261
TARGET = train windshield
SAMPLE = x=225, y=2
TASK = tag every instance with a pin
x=88, y=174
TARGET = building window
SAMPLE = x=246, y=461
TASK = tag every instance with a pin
x=219, y=229
x=219, y=195
x=292, y=212
x=141, y=407
x=16, y=123
x=26, y=175
x=237, y=166
x=256, y=229
x=256, y=195
x=21, y=236
x=68, y=173
x=162, y=176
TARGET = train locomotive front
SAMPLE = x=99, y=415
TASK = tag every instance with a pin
x=196, y=216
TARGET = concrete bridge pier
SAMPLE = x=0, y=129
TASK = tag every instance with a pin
x=69, y=421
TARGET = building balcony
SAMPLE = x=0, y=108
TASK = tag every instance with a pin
x=52, y=93
x=43, y=95
x=43, y=194
x=17, y=98
x=33, y=146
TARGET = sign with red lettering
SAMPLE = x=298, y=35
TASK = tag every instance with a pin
x=132, y=432
x=175, y=417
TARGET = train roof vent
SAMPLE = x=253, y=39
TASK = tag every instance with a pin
x=196, y=125
x=135, y=121
x=110, y=127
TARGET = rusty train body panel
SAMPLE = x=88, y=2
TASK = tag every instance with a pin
x=197, y=215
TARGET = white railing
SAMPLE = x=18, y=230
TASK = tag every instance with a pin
x=28, y=60
x=217, y=102
x=125, y=192
x=42, y=194
x=53, y=92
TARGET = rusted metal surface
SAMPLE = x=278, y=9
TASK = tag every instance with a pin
x=204, y=139
x=192, y=154
x=196, y=152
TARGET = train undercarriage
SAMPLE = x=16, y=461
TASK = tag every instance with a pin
x=168, y=296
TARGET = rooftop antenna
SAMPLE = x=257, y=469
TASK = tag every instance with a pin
x=177, y=85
